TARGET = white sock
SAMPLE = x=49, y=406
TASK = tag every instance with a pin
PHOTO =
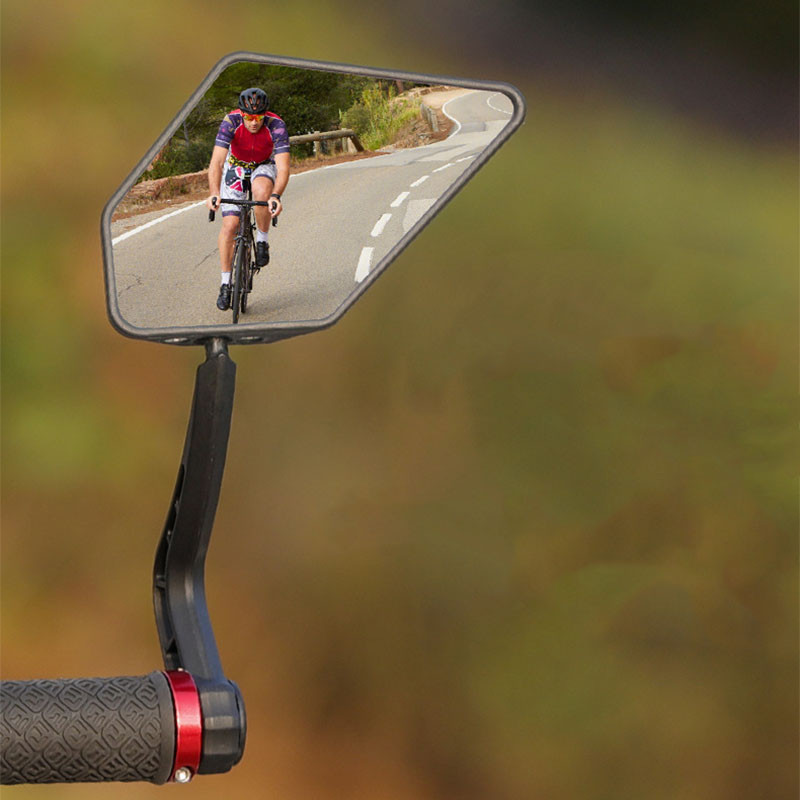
x=261, y=236
x=226, y=278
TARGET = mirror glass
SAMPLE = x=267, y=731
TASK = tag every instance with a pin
x=366, y=160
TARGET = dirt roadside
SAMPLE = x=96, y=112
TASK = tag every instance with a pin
x=175, y=191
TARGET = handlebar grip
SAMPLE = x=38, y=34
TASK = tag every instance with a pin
x=87, y=730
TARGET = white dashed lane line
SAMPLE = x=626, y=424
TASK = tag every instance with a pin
x=380, y=225
x=415, y=209
x=489, y=103
x=399, y=199
x=364, y=262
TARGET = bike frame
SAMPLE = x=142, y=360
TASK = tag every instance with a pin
x=240, y=284
x=242, y=253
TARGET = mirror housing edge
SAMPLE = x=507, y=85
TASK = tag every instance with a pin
x=275, y=331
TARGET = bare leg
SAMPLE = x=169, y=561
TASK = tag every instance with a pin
x=262, y=188
x=227, y=234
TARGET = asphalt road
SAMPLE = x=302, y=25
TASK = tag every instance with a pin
x=337, y=225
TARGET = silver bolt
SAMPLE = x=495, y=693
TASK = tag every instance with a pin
x=183, y=775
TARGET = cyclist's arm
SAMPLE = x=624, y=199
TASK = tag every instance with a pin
x=281, y=179
x=215, y=172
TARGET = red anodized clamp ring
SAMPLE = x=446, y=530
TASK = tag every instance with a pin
x=188, y=721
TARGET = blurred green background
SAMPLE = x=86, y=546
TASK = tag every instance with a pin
x=524, y=523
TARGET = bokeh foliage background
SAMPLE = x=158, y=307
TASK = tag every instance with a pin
x=522, y=525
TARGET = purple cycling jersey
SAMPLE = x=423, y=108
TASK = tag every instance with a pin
x=257, y=147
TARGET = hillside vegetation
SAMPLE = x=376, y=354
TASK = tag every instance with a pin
x=307, y=100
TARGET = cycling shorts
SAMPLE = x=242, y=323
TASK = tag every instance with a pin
x=232, y=183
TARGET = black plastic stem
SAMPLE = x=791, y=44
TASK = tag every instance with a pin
x=184, y=626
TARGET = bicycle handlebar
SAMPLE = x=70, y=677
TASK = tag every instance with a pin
x=88, y=729
x=212, y=214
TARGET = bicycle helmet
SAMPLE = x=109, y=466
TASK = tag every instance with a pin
x=253, y=101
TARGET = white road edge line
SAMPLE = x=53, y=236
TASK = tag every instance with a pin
x=398, y=201
x=362, y=270
x=127, y=234
x=420, y=181
x=449, y=164
x=489, y=103
x=380, y=225
x=466, y=158
x=444, y=111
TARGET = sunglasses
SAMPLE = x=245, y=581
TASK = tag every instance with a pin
x=253, y=117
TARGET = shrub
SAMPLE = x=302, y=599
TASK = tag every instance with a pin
x=178, y=158
x=378, y=116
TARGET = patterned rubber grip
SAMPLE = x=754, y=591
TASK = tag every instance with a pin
x=86, y=730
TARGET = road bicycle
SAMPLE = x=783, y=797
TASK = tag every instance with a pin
x=243, y=264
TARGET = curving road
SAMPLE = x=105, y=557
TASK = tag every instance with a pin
x=338, y=223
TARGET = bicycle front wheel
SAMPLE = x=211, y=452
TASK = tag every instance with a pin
x=247, y=281
x=238, y=277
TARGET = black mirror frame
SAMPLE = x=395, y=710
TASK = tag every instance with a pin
x=256, y=333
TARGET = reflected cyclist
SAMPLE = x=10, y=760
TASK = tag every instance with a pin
x=250, y=137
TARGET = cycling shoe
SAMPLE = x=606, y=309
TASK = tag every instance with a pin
x=224, y=299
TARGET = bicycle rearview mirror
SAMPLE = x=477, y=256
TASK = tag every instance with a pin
x=371, y=157
x=410, y=143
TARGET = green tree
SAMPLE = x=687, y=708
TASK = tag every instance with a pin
x=307, y=100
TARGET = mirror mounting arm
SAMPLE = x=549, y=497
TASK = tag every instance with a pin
x=184, y=626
